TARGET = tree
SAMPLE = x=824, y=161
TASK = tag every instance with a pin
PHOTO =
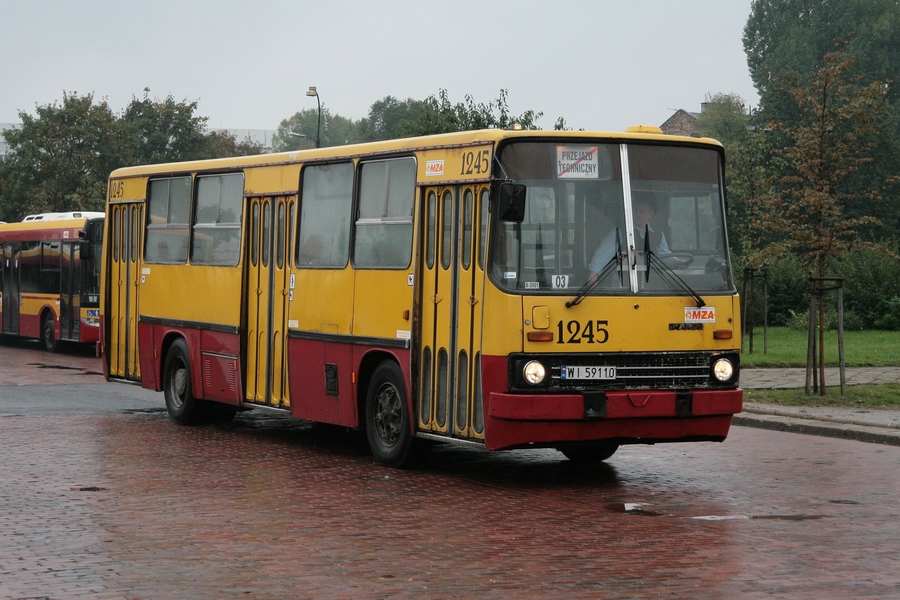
x=59, y=159
x=833, y=138
x=727, y=118
x=299, y=131
x=439, y=115
x=786, y=42
x=390, y=118
x=169, y=131
x=220, y=144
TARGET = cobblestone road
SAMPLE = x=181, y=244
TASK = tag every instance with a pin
x=132, y=506
x=129, y=505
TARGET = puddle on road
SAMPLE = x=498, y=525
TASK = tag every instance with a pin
x=65, y=368
x=766, y=517
x=642, y=509
x=633, y=508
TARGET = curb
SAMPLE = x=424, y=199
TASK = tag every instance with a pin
x=860, y=433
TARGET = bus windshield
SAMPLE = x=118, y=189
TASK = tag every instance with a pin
x=611, y=218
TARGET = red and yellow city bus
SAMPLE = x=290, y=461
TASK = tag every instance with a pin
x=49, y=277
x=488, y=288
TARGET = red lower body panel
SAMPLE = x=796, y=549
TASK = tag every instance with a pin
x=324, y=376
x=214, y=357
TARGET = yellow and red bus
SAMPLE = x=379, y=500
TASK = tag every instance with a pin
x=49, y=277
x=487, y=288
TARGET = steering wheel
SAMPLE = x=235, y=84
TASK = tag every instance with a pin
x=678, y=260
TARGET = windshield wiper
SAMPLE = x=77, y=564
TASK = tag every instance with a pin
x=615, y=261
x=667, y=274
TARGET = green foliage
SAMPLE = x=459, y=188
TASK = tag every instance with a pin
x=60, y=158
x=169, y=131
x=788, y=292
x=871, y=292
x=391, y=118
x=439, y=115
x=871, y=288
x=788, y=40
x=725, y=118
x=300, y=131
x=832, y=139
x=163, y=131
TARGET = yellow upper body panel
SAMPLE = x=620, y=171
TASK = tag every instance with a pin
x=200, y=294
x=608, y=323
x=460, y=152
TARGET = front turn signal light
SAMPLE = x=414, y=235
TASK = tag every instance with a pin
x=540, y=336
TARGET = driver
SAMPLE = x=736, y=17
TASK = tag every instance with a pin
x=642, y=210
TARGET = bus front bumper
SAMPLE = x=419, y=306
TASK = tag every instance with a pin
x=626, y=416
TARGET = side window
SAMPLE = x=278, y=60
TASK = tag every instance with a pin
x=50, y=257
x=325, y=214
x=217, y=222
x=168, y=220
x=29, y=259
x=387, y=190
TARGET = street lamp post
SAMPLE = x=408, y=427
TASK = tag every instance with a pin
x=312, y=92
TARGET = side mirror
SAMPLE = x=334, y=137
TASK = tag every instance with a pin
x=511, y=199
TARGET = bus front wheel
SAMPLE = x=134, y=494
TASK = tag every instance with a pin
x=48, y=332
x=388, y=420
x=181, y=405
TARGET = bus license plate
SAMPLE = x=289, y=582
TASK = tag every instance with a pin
x=588, y=372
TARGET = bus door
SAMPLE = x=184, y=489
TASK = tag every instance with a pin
x=126, y=229
x=11, y=288
x=450, y=340
x=70, y=291
x=267, y=294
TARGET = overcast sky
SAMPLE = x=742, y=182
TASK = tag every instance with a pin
x=600, y=64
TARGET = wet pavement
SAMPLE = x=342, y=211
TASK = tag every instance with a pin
x=132, y=506
x=115, y=501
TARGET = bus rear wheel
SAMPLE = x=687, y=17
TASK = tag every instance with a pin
x=388, y=420
x=48, y=332
x=182, y=406
x=589, y=453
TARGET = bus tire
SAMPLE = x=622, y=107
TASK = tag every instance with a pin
x=388, y=419
x=48, y=332
x=589, y=453
x=181, y=405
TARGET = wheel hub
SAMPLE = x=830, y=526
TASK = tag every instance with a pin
x=388, y=415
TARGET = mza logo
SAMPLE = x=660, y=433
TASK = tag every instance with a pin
x=707, y=314
x=434, y=168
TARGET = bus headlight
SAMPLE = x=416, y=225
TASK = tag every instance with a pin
x=534, y=372
x=723, y=370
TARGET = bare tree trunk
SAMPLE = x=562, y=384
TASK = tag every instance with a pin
x=821, y=328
